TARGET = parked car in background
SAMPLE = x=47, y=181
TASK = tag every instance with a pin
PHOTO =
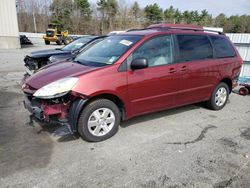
x=131, y=74
x=115, y=32
x=38, y=59
x=71, y=56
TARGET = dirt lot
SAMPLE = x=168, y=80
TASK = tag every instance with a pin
x=185, y=147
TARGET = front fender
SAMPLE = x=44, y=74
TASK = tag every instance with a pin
x=74, y=112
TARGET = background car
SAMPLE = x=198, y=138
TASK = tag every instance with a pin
x=69, y=56
x=38, y=59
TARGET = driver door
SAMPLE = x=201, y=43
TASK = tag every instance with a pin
x=153, y=88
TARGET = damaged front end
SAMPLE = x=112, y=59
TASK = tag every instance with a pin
x=57, y=105
x=63, y=110
x=32, y=65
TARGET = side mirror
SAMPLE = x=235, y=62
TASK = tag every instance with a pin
x=139, y=63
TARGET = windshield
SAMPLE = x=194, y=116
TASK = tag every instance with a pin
x=77, y=44
x=107, y=51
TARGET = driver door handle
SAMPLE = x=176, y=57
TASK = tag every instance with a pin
x=172, y=70
x=183, y=68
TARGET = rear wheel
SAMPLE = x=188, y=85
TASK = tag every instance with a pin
x=47, y=42
x=67, y=40
x=59, y=41
x=219, y=97
x=99, y=120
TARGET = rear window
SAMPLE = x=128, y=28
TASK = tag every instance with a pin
x=223, y=48
x=194, y=47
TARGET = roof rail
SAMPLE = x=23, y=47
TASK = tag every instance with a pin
x=129, y=30
x=180, y=28
x=196, y=29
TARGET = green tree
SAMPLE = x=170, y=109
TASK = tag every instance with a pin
x=84, y=7
x=61, y=12
x=170, y=15
x=108, y=9
x=153, y=13
x=135, y=10
x=205, y=18
x=187, y=17
x=178, y=16
x=221, y=20
x=237, y=26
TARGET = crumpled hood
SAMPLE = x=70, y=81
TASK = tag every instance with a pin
x=56, y=71
x=47, y=53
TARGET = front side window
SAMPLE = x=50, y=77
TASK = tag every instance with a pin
x=223, y=48
x=158, y=51
x=107, y=51
x=194, y=47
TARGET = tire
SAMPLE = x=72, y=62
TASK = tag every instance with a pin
x=47, y=42
x=67, y=40
x=219, y=97
x=91, y=124
x=59, y=41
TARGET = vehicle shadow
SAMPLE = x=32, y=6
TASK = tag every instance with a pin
x=62, y=133
x=160, y=114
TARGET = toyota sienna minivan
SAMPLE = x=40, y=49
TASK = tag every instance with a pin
x=134, y=73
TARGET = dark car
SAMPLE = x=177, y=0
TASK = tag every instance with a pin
x=71, y=56
x=134, y=73
x=38, y=59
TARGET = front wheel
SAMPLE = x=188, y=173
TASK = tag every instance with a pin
x=219, y=97
x=47, y=42
x=99, y=120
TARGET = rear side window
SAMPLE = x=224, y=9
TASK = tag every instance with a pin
x=194, y=47
x=223, y=48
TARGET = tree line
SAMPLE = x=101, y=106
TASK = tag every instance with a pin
x=81, y=17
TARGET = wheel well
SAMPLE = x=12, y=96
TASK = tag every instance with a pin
x=114, y=99
x=229, y=83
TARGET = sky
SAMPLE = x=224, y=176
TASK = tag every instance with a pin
x=214, y=7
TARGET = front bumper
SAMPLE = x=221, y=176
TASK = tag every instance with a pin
x=62, y=113
x=42, y=110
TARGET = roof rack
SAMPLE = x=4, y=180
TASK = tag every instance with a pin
x=197, y=29
x=180, y=28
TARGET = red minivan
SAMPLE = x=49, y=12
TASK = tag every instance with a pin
x=134, y=73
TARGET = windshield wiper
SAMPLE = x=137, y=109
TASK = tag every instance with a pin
x=79, y=62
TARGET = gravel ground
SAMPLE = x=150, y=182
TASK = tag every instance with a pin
x=189, y=146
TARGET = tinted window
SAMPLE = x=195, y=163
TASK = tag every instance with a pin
x=194, y=47
x=222, y=47
x=158, y=51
